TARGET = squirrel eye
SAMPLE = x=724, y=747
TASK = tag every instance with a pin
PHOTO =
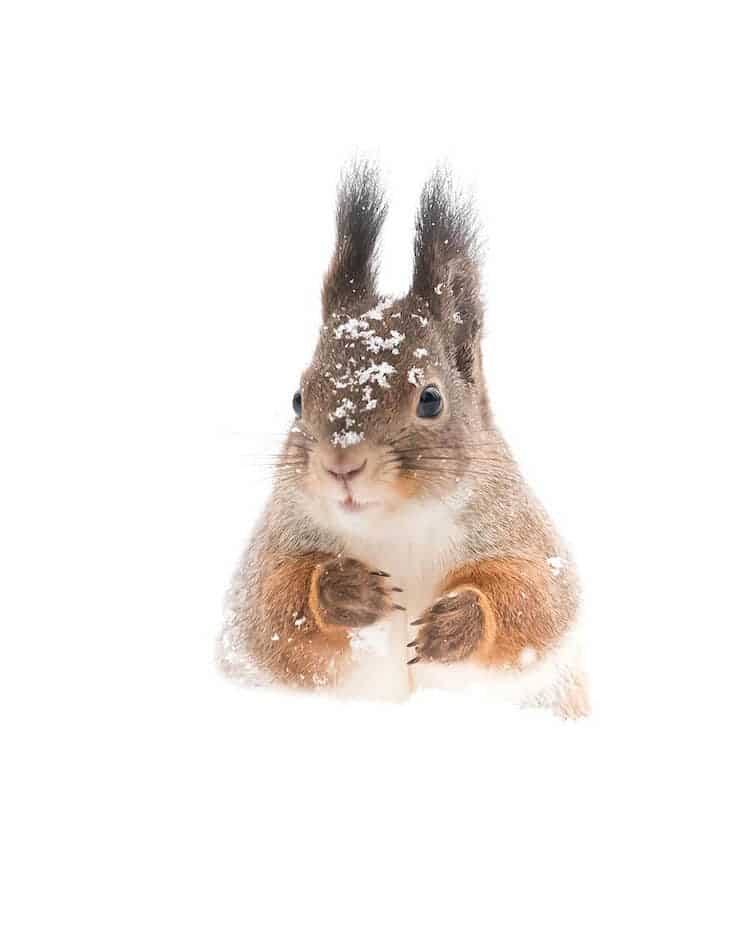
x=297, y=403
x=430, y=403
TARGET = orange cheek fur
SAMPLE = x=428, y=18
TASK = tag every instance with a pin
x=407, y=486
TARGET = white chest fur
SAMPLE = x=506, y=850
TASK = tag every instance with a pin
x=417, y=547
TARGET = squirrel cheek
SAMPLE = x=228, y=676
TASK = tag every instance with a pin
x=407, y=486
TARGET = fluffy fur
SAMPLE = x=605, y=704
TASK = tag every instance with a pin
x=399, y=551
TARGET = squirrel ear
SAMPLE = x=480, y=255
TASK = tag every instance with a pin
x=360, y=213
x=447, y=265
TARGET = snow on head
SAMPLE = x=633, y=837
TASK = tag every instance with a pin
x=368, y=347
x=348, y=438
x=376, y=373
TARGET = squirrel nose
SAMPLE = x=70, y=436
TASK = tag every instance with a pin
x=344, y=467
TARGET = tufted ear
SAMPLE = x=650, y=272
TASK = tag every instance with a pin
x=360, y=213
x=447, y=267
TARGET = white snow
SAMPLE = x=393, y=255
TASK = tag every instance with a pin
x=346, y=438
x=370, y=640
x=555, y=564
x=376, y=373
x=416, y=376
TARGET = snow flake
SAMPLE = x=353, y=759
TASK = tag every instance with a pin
x=347, y=438
x=377, y=373
x=555, y=564
x=372, y=640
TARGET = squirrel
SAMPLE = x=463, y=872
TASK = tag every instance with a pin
x=401, y=547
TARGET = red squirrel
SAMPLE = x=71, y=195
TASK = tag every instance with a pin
x=401, y=548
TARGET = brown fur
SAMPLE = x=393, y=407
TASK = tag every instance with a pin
x=521, y=604
x=453, y=628
x=297, y=594
x=307, y=604
x=289, y=639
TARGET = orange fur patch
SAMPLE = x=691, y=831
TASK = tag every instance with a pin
x=289, y=640
x=521, y=605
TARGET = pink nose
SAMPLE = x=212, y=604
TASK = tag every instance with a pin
x=343, y=465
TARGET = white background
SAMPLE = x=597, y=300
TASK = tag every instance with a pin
x=166, y=200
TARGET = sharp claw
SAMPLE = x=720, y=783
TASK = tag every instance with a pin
x=396, y=589
x=414, y=660
x=399, y=607
x=412, y=643
x=418, y=621
x=379, y=572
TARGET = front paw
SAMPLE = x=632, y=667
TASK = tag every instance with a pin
x=451, y=630
x=348, y=594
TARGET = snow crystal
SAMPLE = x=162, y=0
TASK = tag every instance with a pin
x=352, y=328
x=555, y=565
x=362, y=330
x=420, y=353
x=370, y=401
x=348, y=438
x=377, y=373
x=416, y=376
x=368, y=337
x=340, y=413
x=372, y=639
x=377, y=311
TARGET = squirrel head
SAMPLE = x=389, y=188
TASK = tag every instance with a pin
x=393, y=405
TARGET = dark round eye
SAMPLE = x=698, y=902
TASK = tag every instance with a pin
x=297, y=403
x=430, y=403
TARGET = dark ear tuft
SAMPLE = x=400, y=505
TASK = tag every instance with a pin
x=447, y=260
x=360, y=213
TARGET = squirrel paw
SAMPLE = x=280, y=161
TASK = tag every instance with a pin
x=348, y=594
x=451, y=629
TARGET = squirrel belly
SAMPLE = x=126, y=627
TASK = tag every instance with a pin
x=422, y=546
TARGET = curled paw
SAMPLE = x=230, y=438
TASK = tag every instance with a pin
x=451, y=629
x=348, y=594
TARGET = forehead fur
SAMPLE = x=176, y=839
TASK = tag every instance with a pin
x=370, y=362
x=375, y=354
